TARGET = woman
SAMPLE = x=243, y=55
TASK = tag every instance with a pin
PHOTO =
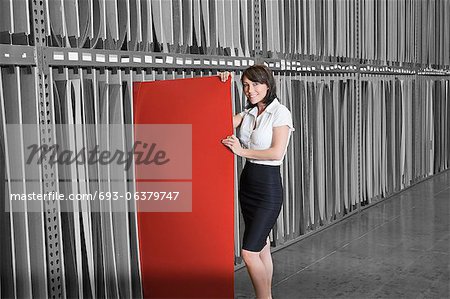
x=265, y=128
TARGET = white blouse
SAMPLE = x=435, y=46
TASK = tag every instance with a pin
x=260, y=138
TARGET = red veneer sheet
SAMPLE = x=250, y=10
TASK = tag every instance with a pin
x=190, y=254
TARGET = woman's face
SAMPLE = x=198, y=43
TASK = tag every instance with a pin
x=254, y=91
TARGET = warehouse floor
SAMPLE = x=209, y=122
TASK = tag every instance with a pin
x=399, y=248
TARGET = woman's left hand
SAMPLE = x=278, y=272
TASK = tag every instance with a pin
x=232, y=142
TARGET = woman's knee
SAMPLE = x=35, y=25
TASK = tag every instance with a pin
x=249, y=256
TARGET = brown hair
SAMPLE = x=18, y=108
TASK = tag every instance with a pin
x=261, y=74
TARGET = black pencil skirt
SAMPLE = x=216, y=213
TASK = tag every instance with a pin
x=260, y=197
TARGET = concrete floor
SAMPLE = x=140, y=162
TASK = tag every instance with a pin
x=399, y=248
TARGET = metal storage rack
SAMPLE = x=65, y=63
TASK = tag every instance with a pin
x=321, y=52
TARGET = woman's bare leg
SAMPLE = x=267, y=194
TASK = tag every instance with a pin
x=257, y=272
x=266, y=258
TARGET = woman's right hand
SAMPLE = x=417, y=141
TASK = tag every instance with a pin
x=224, y=76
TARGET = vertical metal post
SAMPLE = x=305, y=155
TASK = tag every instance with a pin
x=46, y=122
x=358, y=99
x=416, y=66
x=257, y=15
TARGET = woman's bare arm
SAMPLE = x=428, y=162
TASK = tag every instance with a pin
x=237, y=120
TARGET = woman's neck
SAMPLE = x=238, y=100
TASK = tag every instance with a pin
x=261, y=108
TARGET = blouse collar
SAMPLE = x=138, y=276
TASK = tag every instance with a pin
x=269, y=109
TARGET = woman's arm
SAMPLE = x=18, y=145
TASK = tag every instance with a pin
x=280, y=137
x=237, y=119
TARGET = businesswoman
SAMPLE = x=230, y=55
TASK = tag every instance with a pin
x=264, y=131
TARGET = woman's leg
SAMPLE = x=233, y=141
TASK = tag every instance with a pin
x=257, y=272
x=266, y=258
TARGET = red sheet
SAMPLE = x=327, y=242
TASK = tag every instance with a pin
x=190, y=254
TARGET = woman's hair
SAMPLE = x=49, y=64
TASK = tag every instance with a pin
x=261, y=74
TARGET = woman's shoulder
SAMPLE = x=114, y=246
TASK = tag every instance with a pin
x=282, y=116
x=282, y=110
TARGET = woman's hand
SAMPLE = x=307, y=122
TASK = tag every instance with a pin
x=232, y=142
x=224, y=76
